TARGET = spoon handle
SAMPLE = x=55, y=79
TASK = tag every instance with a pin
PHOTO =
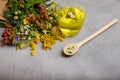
x=111, y=23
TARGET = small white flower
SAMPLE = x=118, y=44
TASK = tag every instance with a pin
x=27, y=26
x=47, y=8
x=22, y=30
x=29, y=38
x=51, y=17
x=72, y=16
x=18, y=33
x=31, y=25
x=16, y=12
x=70, y=13
x=15, y=17
x=26, y=32
x=22, y=33
x=19, y=12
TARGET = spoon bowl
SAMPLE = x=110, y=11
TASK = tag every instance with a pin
x=71, y=49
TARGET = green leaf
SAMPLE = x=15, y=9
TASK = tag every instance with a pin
x=34, y=1
x=29, y=1
x=37, y=1
x=10, y=5
x=33, y=11
x=2, y=24
x=28, y=5
x=8, y=12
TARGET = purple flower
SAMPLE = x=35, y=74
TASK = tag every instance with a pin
x=17, y=38
x=14, y=23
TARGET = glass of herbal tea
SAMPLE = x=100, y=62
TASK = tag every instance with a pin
x=71, y=19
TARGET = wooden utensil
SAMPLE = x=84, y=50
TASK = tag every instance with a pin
x=72, y=48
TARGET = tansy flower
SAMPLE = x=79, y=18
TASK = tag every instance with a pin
x=33, y=48
x=33, y=52
x=20, y=46
x=37, y=39
x=23, y=37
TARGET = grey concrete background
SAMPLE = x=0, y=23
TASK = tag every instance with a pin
x=97, y=60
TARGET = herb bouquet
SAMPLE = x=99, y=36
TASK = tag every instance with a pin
x=28, y=22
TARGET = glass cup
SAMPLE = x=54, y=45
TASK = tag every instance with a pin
x=71, y=19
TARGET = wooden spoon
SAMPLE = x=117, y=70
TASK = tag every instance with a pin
x=72, y=48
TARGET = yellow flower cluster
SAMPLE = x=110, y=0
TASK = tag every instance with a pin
x=32, y=48
x=49, y=39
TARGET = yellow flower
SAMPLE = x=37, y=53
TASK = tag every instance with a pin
x=33, y=52
x=37, y=39
x=19, y=46
x=25, y=21
x=23, y=37
x=32, y=48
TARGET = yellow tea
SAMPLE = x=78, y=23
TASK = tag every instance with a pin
x=71, y=20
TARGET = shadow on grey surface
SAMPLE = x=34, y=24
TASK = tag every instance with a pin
x=1, y=44
x=66, y=56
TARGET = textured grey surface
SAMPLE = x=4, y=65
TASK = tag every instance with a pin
x=97, y=60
